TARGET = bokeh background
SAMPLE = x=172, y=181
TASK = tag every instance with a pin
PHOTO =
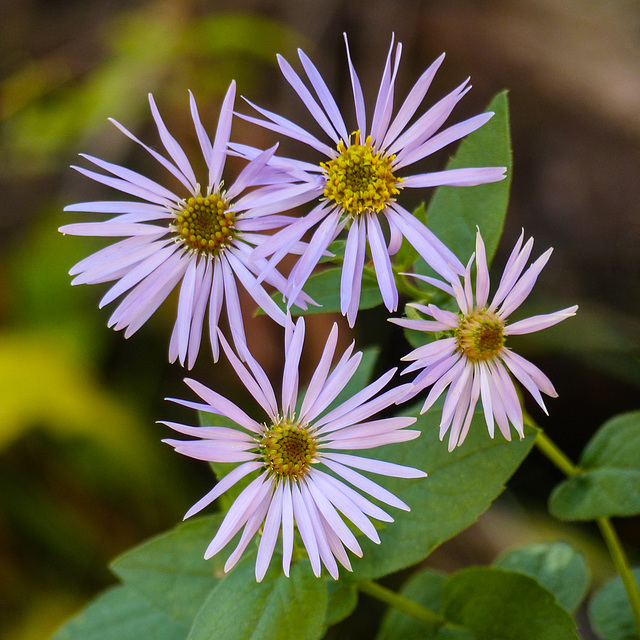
x=83, y=475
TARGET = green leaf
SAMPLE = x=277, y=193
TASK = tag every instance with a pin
x=557, y=566
x=461, y=485
x=121, y=614
x=425, y=588
x=610, y=482
x=342, y=599
x=454, y=212
x=276, y=608
x=337, y=249
x=170, y=571
x=324, y=288
x=610, y=612
x=494, y=604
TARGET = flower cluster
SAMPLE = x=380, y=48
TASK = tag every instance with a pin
x=208, y=240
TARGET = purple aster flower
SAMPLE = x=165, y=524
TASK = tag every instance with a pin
x=201, y=240
x=303, y=478
x=361, y=174
x=473, y=361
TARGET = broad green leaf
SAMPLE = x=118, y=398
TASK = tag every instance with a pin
x=121, y=614
x=342, y=599
x=494, y=604
x=425, y=588
x=324, y=288
x=610, y=482
x=461, y=485
x=276, y=608
x=336, y=248
x=557, y=566
x=610, y=612
x=455, y=212
x=170, y=571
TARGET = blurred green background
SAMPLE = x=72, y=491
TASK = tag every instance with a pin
x=83, y=474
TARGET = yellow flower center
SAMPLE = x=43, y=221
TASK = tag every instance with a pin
x=205, y=224
x=360, y=179
x=480, y=335
x=288, y=449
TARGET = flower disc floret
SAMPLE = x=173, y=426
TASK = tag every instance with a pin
x=359, y=179
x=206, y=224
x=288, y=449
x=480, y=335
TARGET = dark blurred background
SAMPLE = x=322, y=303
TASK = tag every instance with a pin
x=83, y=474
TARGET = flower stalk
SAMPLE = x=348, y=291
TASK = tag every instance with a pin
x=406, y=605
x=621, y=563
x=616, y=551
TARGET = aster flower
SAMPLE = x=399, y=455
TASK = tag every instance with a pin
x=474, y=361
x=361, y=174
x=200, y=241
x=303, y=478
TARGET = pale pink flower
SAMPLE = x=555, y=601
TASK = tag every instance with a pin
x=198, y=240
x=473, y=360
x=360, y=173
x=304, y=480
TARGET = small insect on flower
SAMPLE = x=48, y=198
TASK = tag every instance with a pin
x=361, y=174
x=304, y=480
x=474, y=360
x=201, y=239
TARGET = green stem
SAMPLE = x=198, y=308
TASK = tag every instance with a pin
x=410, y=607
x=618, y=556
x=622, y=567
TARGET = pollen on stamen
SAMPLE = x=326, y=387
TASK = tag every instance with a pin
x=360, y=179
x=288, y=449
x=205, y=224
x=480, y=335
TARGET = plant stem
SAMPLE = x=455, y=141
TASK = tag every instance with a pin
x=622, y=567
x=618, y=556
x=410, y=607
